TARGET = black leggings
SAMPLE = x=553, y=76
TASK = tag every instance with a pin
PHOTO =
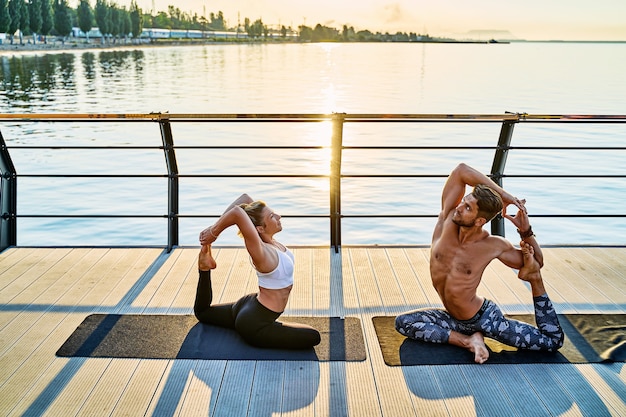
x=252, y=320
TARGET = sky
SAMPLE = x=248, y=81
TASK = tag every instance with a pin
x=530, y=19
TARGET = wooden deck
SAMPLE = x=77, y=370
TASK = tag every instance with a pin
x=46, y=293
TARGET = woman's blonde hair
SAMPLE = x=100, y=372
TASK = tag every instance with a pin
x=254, y=210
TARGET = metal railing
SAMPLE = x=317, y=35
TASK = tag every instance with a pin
x=9, y=175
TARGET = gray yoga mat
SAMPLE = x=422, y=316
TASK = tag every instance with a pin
x=183, y=337
x=588, y=338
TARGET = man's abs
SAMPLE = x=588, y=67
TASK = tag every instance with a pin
x=456, y=289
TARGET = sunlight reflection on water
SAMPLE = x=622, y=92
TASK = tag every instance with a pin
x=363, y=78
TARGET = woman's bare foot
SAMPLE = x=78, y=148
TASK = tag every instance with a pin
x=205, y=259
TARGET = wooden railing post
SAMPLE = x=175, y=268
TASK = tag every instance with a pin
x=335, y=181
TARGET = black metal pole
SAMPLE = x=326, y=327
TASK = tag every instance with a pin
x=335, y=181
x=497, y=168
x=8, y=198
x=172, y=184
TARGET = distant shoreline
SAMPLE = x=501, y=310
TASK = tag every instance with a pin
x=73, y=45
x=58, y=46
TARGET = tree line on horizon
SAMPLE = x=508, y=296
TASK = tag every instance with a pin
x=42, y=18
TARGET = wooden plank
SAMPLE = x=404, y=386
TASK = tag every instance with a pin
x=79, y=387
x=488, y=287
x=11, y=257
x=599, y=268
x=122, y=296
x=43, y=325
x=301, y=388
x=179, y=286
x=95, y=290
x=303, y=290
x=456, y=394
x=610, y=389
x=391, y=294
x=547, y=388
x=519, y=298
x=202, y=391
x=135, y=400
x=266, y=396
x=109, y=388
x=240, y=278
x=336, y=388
x=427, y=398
x=143, y=303
x=611, y=263
x=36, y=298
x=501, y=285
x=362, y=398
x=29, y=270
x=393, y=399
x=168, y=396
x=128, y=270
x=581, y=393
x=408, y=281
x=490, y=399
x=35, y=399
x=65, y=285
x=323, y=293
x=234, y=395
x=170, y=283
x=50, y=329
x=344, y=288
x=368, y=292
x=587, y=294
x=420, y=261
x=518, y=390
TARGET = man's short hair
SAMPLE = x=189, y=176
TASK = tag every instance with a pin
x=489, y=202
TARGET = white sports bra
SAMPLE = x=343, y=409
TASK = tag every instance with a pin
x=282, y=275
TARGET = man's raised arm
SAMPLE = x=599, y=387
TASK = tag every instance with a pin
x=463, y=175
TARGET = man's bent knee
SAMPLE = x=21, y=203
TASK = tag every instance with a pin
x=400, y=323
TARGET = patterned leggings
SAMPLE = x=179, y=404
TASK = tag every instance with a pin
x=252, y=320
x=434, y=325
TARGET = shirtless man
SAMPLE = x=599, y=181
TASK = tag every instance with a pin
x=461, y=250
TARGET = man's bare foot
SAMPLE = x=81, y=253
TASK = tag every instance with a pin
x=531, y=270
x=205, y=259
x=474, y=343
x=478, y=347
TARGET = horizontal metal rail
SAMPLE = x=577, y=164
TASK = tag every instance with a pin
x=9, y=174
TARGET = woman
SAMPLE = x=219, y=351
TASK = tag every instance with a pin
x=254, y=315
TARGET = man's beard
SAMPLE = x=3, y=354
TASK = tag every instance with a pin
x=462, y=224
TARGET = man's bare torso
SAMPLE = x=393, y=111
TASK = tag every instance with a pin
x=456, y=268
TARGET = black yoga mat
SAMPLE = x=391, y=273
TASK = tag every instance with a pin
x=183, y=337
x=588, y=338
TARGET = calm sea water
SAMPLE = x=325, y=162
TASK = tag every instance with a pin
x=537, y=78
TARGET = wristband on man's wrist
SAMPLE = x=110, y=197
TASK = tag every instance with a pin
x=527, y=233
